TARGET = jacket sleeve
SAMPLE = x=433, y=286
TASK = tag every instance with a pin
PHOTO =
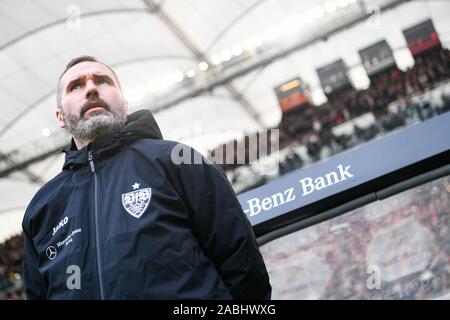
x=224, y=230
x=34, y=283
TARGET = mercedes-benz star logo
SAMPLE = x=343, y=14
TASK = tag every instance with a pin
x=51, y=252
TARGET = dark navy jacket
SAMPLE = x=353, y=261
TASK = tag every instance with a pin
x=122, y=221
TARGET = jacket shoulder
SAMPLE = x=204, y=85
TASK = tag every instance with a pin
x=45, y=194
x=164, y=145
x=159, y=148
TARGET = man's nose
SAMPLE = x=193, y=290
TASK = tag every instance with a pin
x=91, y=89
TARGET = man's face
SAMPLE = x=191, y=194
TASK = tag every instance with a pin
x=92, y=103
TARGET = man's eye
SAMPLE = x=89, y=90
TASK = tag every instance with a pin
x=75, y=87
x=100, y=81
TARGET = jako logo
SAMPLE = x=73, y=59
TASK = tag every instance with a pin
x=309, y=185
x=61, y=224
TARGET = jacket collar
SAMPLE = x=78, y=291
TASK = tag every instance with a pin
x=140, y=125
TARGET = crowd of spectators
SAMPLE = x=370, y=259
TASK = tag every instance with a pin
x=385, y=87
x=312, y=126
x=11, y=252
x=343, y=244
x=430, y=206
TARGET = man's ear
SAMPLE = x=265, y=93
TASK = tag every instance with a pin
x=61, y=123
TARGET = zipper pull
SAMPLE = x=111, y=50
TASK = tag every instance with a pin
x=91, y=160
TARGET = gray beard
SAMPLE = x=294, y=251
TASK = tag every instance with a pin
x=97, y=126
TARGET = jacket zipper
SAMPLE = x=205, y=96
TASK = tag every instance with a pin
x=97, y=241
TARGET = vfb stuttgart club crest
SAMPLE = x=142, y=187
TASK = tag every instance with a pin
x=135, y=202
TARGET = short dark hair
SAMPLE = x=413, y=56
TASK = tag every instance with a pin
x=76, y=61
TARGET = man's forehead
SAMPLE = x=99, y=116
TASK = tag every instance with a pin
x=86, y=68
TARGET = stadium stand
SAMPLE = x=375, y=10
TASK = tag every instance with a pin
x=395, y=98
